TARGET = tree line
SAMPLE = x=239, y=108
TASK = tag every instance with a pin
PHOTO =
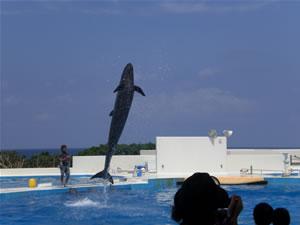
x=13, y=159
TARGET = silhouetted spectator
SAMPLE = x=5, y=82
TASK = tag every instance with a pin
x=281, y=216
x=263, y=214
x=201, y=201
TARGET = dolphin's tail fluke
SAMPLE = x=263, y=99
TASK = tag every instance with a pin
x=104, y=175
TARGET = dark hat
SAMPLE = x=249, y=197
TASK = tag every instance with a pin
x=281, y=216
x=205, y=188
x=263, y=213
x=199, y=196
x=63, y=148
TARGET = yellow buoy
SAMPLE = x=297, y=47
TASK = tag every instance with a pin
x=32, y=183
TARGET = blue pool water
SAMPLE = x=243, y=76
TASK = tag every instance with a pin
x=150, y=204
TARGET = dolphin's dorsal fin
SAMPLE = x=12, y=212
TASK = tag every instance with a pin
x=111, y=113
x=139, y=90
x=119, y=88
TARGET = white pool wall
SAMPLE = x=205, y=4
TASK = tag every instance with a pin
x=259, y=159
x=91, y=164
x=30, y=172
x=88, y=165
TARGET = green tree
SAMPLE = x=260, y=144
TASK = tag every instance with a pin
x=44, y=159
x=101, y=150
x=12, y=159
x=122, y=149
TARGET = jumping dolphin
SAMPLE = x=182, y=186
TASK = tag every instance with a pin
x=119, y=116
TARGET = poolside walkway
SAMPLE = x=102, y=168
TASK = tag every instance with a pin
x=71, y=188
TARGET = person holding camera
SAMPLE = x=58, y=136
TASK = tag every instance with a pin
x=201, y=200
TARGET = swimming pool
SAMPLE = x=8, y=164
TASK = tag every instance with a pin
x=150, y=204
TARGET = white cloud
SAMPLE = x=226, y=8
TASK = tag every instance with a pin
x=99, y=11
x=10, y=12
x=65, y=98
x=207, y=72
x=204, y=102
x=160, y=72
x=42, y=116
x=176, y=7
x=11, y=100
x=200, y=7
x=114, y=7
x=4, y=84
x=296, y=90
x=42, y=7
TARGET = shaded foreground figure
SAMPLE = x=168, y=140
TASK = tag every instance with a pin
x=281, y=216
x=263, y=214
x=64, y=165
x=200, y=201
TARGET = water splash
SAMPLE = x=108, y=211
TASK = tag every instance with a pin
x=86, y=202
x=100, y=199
x=105, y=194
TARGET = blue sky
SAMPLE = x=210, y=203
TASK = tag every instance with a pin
x=202, y=64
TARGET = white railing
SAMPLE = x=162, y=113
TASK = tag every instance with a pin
x=261, y=172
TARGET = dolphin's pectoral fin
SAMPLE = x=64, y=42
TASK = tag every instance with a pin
x=103, y=175
x=111, y=113
x=119, y=88
x=139, y=90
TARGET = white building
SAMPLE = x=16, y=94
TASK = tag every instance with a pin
x=186, y=155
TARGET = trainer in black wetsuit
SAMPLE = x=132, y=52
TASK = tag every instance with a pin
x=64, y=165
